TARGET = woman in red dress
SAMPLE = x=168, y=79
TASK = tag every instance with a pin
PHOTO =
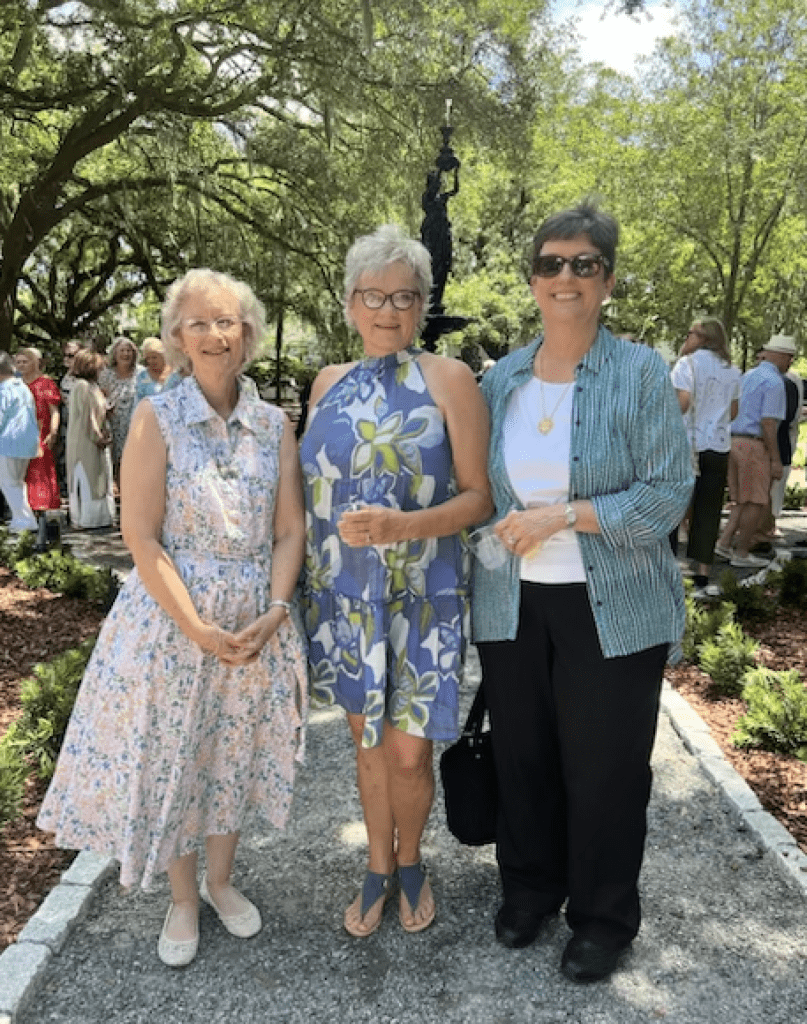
x=43, y=488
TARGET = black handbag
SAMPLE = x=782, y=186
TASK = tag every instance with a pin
x=469, y=781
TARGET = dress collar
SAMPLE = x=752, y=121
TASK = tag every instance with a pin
x=378, y=363
x=199, y=409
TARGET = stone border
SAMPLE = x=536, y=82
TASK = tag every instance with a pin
x=23, y=964
x=772, y=837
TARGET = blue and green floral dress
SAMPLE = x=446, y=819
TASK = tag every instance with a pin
x=387, y=624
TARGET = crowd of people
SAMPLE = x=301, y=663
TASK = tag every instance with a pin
x=82, y=424
x=334, y=567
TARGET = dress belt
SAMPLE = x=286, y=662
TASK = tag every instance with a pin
x=754, y=437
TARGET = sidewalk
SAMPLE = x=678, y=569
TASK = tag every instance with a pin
x=724, y=939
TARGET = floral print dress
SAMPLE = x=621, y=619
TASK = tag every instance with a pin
x=166, y=744
x=120, y=392
x=386, y=625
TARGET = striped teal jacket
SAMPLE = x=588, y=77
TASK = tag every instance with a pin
x=629, y=456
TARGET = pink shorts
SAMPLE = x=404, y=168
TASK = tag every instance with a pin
x=749, y=471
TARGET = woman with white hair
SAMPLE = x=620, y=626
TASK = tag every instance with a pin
x=191, y=714
x=156, y=374
x=19, y=443
x=394, y=468
x=117, y=381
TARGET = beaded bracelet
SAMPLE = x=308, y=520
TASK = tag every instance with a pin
x=278, y=603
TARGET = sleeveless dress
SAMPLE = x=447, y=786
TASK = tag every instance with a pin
x=121, y=394
x=167, y=745
x=387, y=625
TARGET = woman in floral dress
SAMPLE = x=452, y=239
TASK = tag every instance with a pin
x=117, y=382
x=191, y=714
x=394, y=468
x=40, y=479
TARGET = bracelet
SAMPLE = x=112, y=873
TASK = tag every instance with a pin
x=278, y=603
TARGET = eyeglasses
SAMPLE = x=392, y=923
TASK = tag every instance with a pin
x=375, y=299
x=201, y=328
x=587, y=264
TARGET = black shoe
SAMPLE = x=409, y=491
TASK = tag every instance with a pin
x=584, y=960
x=517, y=928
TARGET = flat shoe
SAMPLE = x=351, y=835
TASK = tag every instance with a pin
x=517, y=928
x=174, y=953
x=412, y=878
x=725, y=553
x=585, y=961
x=243, y=925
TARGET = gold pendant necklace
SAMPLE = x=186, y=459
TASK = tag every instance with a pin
x=547, y=422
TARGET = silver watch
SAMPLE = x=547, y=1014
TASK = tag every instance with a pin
x=570, y=515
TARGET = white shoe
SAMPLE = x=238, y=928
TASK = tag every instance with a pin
x=749, y=562
x=174, y=953
x=243, y=925
x=725, y=553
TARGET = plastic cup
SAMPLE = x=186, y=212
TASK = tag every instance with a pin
x=487, y=547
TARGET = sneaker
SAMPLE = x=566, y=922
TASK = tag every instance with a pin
x=725, y=553
x=749, y=562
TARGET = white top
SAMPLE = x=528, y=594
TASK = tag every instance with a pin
x=538, y=467
x=713, y=386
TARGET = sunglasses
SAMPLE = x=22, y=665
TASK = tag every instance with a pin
x=587, y=264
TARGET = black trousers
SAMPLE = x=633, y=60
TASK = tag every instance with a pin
x=707, y=504
x=572, y=736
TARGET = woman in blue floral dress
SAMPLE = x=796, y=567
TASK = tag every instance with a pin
x=394, y=467
x=191, y=714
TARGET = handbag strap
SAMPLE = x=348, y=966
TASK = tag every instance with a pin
x=476, y=716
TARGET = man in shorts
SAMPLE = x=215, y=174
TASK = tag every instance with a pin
x=754, y=459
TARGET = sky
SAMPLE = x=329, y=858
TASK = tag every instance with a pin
x=616, y=40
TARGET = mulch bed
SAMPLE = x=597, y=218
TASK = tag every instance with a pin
x=38, y=625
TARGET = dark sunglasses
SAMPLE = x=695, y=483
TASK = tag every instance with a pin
x=587, y=264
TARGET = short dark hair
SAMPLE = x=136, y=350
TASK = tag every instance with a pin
x=584, y=219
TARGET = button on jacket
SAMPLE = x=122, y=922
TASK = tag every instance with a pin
x=630, y=457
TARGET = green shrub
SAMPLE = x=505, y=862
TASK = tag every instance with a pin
x=793, y=585
x=47, y=701
x=776, y=719
x=795, y=497
x=727, y=657
x=12, y=777
x=15, y=546
x=751, y=603
x=63, y=573
x=703, y=622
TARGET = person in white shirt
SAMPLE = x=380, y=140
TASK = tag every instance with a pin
x=708, y=389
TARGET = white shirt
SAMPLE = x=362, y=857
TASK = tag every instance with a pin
x=538, y=467
x=712, y=387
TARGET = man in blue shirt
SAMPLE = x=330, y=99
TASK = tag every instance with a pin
x=754, y=460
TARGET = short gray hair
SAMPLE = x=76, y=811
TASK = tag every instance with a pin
x=251, y=308
x=370, y=254
x=6, y=365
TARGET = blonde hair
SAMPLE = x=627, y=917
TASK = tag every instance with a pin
x=253, y=314
x=153, y=345
x=32, y=353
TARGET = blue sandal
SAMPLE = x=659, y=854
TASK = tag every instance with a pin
x=376, y=886
x=411, y=878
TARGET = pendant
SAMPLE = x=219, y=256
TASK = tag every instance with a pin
x=546, y=424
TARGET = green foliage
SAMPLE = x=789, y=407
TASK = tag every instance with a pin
x=793, y=585
x=752, y=603
x=15, y=547
x=47, y=701
x=727, y=657
x=65, y=574
x=776, y=719
x=795, y=497
x=12, y=777
x=702, y=623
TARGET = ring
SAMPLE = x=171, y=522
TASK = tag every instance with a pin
x=511, y=539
